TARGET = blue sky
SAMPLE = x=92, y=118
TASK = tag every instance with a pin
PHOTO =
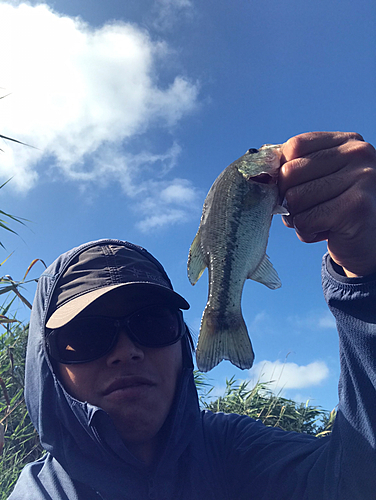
x=136, y=107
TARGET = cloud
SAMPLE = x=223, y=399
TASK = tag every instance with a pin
x=85, y=97
x=326, y=321
x=166, y=204
x=168, y=13
x=289, y=375
x=179, y=192
x=313, y=320
x=261, y=324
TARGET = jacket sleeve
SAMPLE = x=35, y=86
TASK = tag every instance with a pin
x=353, y=304
x=265, y=463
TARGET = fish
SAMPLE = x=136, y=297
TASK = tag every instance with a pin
x=231, y=242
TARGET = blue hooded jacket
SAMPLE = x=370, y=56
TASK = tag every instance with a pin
x=205, y=455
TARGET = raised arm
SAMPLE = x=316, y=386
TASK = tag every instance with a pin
x=329, y=183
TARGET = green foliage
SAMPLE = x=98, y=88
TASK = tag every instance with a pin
x=261, y=403
x=21, y=440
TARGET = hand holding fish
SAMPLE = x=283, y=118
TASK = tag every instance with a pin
x=328, y=180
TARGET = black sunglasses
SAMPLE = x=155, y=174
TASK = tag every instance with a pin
x=85, y=339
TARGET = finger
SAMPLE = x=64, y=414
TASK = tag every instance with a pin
x=307, y=237
x=313, y=166
x=304, y=196
x=343, y=215
x=312, y=238
x=323, y=163
x=304, y=144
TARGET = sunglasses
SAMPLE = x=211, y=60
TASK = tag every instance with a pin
x=85, y=339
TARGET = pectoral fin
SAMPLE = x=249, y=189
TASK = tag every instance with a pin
x=196, y=260
x=266, y=274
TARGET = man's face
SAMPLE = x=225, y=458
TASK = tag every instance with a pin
x=135, y=385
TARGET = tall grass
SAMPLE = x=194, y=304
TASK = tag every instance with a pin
x=21, y=440
x=261, y=403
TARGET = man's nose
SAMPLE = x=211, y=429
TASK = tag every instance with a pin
x=125, y=349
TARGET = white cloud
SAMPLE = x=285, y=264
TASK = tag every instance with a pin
x=313, y=320
x=326, y=321
x=166, y=204
x=172, y=216
x=260, y=318
x=302, y=398
x=82, y=96
x=261, y=324
x=285, y=375
x=179, y=191
x=167, y=13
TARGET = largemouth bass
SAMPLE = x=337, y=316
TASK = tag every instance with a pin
x=231, y=242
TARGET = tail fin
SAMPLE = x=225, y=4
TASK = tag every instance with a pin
x=223, y=339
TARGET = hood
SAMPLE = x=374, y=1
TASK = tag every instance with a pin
x=79, y=435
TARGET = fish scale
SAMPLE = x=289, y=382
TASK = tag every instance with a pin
x=231, y=242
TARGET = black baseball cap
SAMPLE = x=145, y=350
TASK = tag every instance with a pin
x=104, y=266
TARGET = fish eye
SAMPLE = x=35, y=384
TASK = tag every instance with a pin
x=252, y=150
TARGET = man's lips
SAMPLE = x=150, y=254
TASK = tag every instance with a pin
x=128, y=382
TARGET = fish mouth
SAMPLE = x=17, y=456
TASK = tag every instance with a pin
x=264, y=178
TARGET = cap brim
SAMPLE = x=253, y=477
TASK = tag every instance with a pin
x=68, y=311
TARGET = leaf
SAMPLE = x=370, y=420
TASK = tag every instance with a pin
x=4, y=261
x=15, y=140
x=31, y=265
x=4, y=319
x=21, y=297
x=13, y=287
x=5, y=392
x=5, y=289
x=3, y=223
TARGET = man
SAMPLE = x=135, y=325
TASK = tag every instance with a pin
x=109, y=382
